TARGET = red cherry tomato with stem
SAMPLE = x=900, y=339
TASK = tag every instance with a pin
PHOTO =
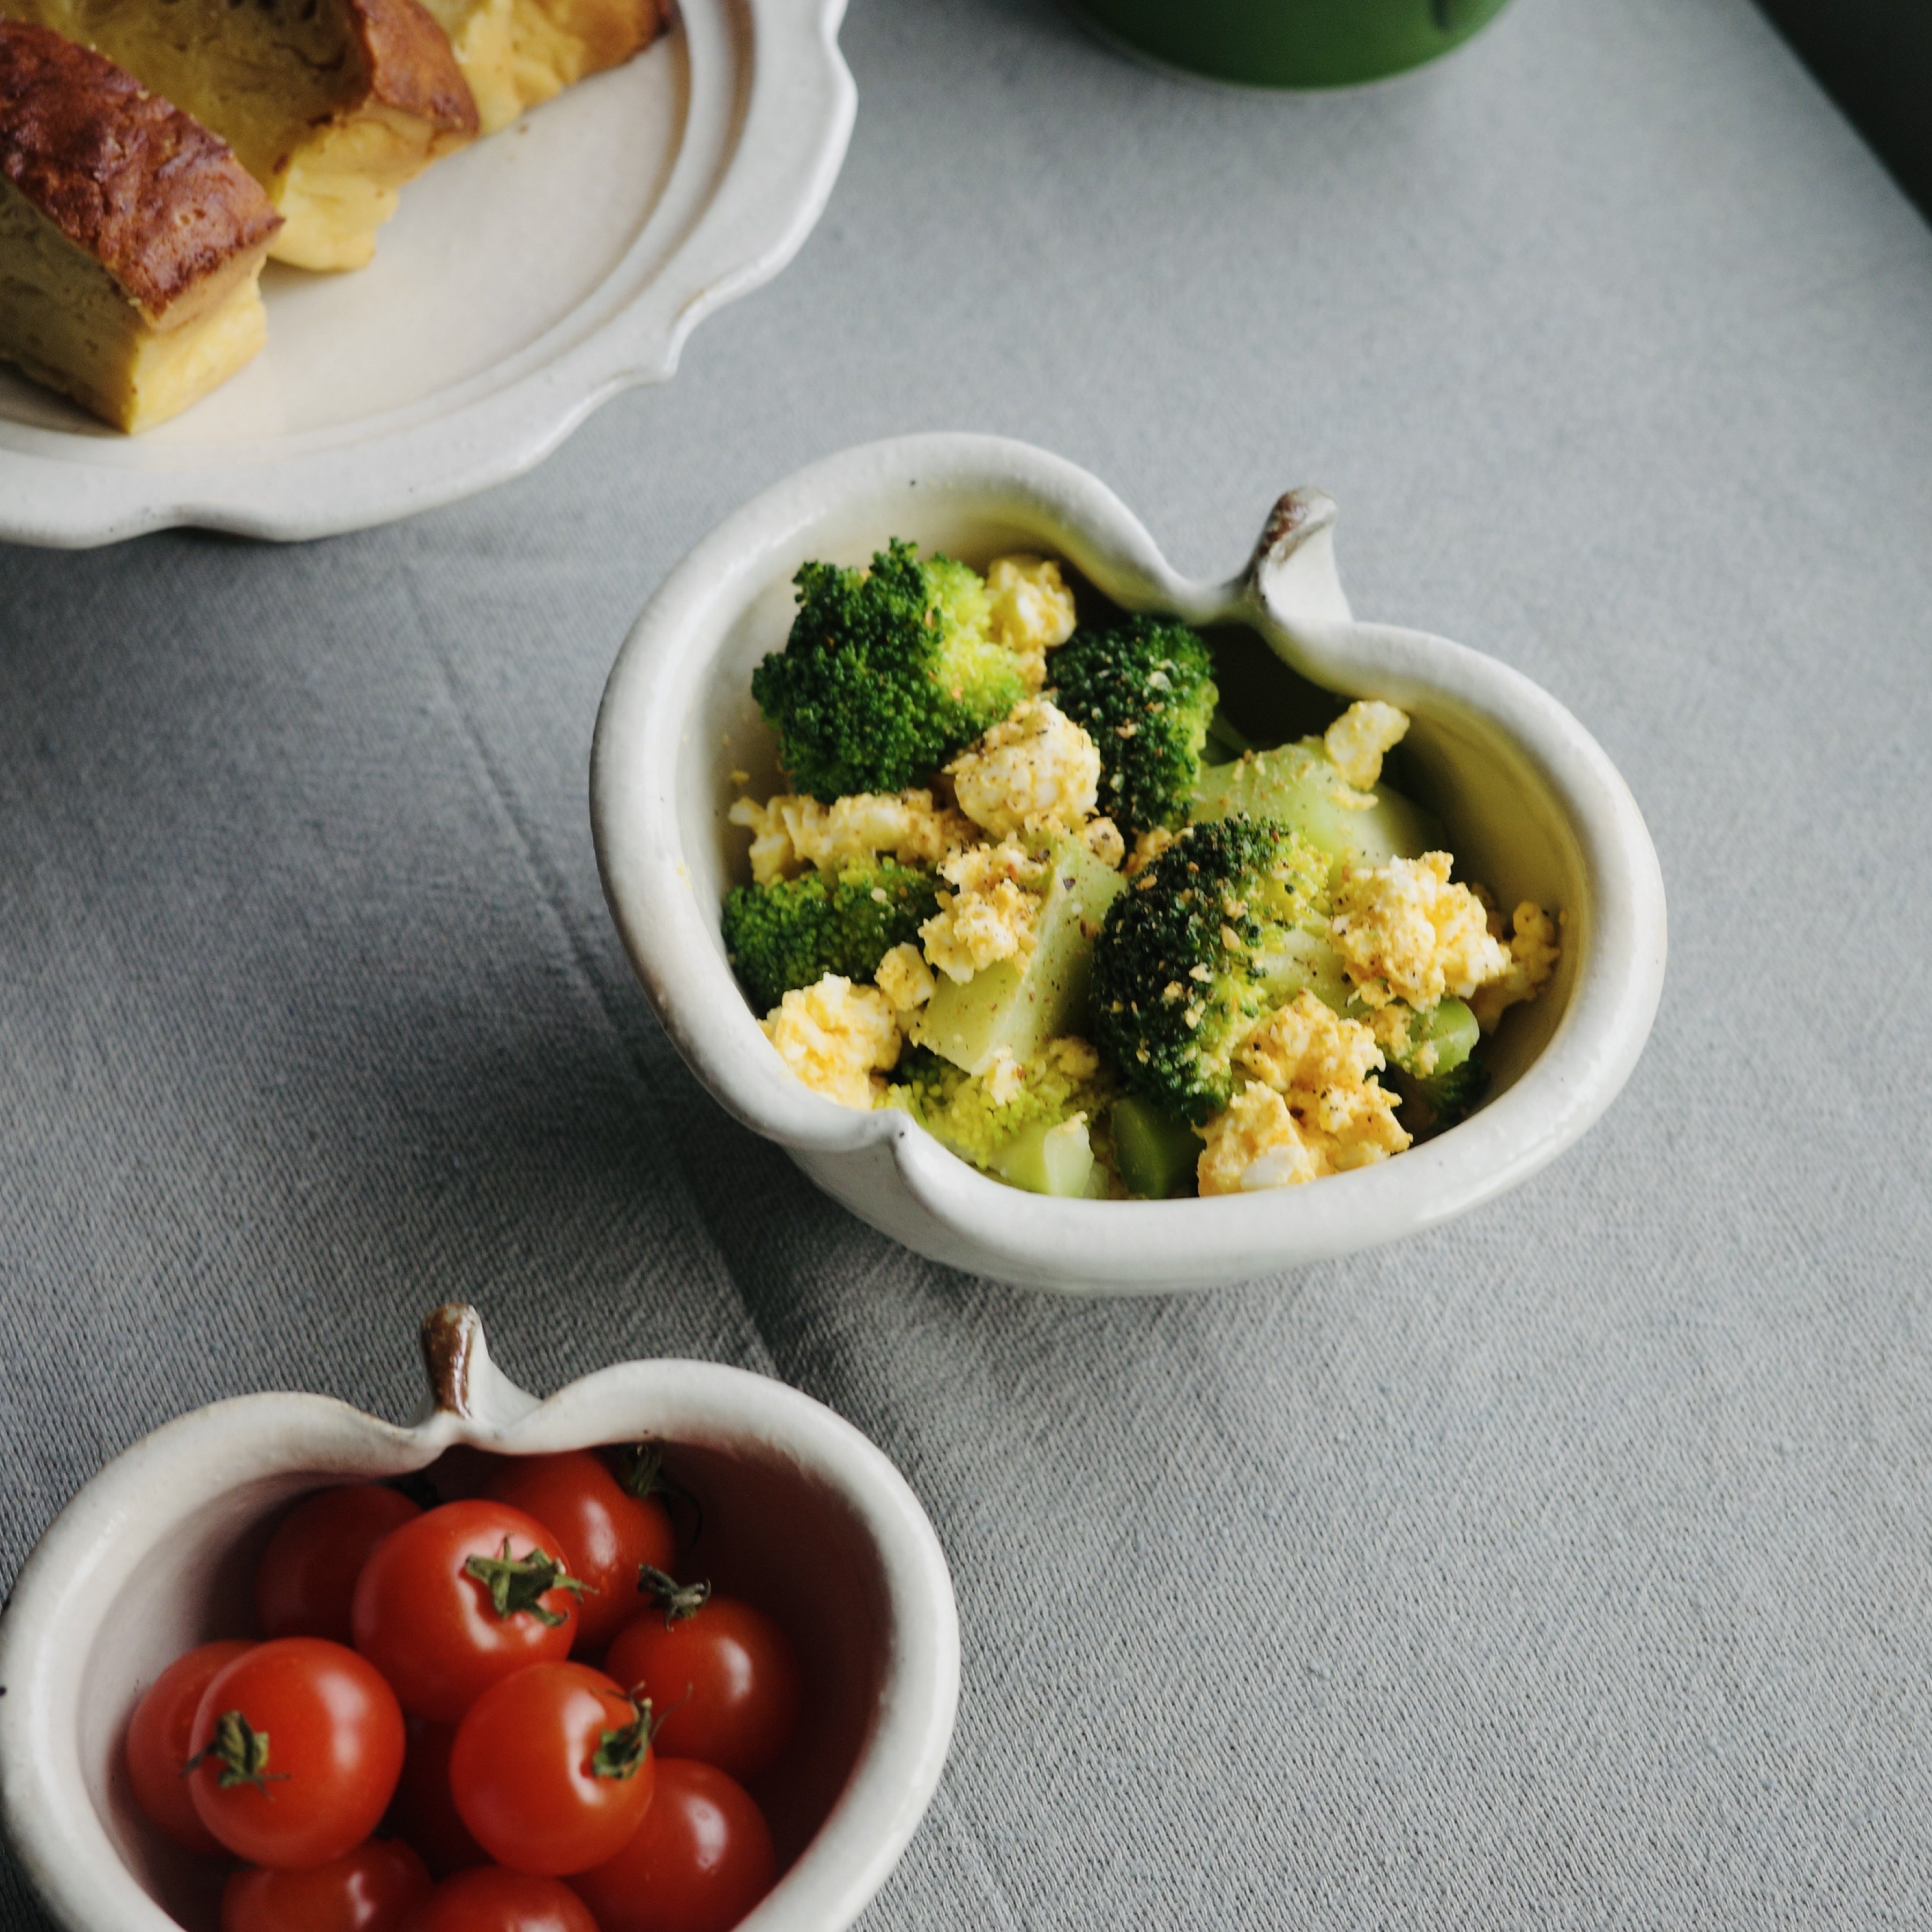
x=722, y=1678
x=701, y=1859
x=161, y=1739
x=492, y=1899
x=296, y=1747
x=306, y=1579
x=423, y=1812
x=552, y=1769
x=373, y=1888
x=607, y=1533
x=462, y=1596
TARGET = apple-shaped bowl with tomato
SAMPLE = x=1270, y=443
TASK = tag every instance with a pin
x=800, y=1514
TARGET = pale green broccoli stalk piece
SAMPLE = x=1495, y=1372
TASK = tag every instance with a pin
x=886, y=674
x=1019, y=1006
x=1058, y=1160
x=1299, y=785
x=1432, y=1043
x=1432, y=1068
x=793, y=931
x=1155, y=1152
x=1227, y=924
x=1143, y=690
x=1036, y=1138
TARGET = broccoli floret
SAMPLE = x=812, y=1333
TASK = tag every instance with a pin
x=793, y=931
x=1011, y=1138
x=1144, y=689
x=1224, y=927
x=886, y=673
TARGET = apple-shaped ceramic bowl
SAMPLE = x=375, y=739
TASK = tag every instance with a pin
x=1532, y=806
x=801, y=1514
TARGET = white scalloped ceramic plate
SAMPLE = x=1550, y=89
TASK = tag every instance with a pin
x=524, y=282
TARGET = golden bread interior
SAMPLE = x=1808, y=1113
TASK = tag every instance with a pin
x=516, y=54
x=66, y=321
x=297, y=88
x=341, y=186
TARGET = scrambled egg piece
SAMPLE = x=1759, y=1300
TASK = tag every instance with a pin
x=1005, y=1079
x=1101, y=837
x=1320, y=1064
x=1032, y=610
x=1357, y=739
x=1534, y=951
x=835, y=1037
x=1148, y=846
x=1065, y=1065
x=1391, y=1026
x=1070, y=1055
x=992, y=915
x=1034, y=771
x=790, y=833
x=1254, y=1145
x=904, y=979
x=1405, y=932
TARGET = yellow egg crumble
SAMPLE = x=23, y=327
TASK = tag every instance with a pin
x=789, y=833
x=991, y=915
x=1035, y=771
x=1405, y=932
x=835, y=1037
x=1032, y=610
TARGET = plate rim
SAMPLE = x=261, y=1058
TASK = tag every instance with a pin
x=796, y=102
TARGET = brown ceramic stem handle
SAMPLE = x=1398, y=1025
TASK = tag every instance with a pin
x=452, y=1344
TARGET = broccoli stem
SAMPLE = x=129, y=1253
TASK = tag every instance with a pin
x=1449, y=1091
x=1223, y=740
x=1044, y=1158
x=1450, y=1028
x=1157, y=1153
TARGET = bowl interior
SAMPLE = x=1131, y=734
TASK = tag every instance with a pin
x=772, y=1532
x=1504, y=823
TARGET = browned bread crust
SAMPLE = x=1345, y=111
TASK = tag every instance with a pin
x=149, y=193
x=412, y=66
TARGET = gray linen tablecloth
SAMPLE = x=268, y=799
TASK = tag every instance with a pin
x=1568, y=1568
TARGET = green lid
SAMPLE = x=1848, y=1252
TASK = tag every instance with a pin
x=1291, y=43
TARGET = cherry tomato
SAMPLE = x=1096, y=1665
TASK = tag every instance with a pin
x=459, y=1597
x=423, y=1811
x=492, y=1899
x=373, y=1888
x=722, y=1678
x=307, y=1577
x=159, y=1738
x=296, y=1747
x=701, y=1859
x=551, y=1769
x=607, y=1532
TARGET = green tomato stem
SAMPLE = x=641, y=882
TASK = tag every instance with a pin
x=678, y=1600
x=519, y=1583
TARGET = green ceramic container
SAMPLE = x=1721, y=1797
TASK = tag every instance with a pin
x=1291, y=43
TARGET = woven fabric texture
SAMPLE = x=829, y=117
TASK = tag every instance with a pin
x=1566, y=1568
